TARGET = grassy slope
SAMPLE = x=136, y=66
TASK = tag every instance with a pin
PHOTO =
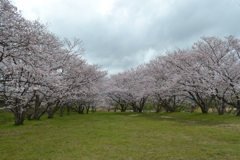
x=122, y=136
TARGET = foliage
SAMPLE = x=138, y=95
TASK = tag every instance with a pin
x=40, y=69
x=207, y=74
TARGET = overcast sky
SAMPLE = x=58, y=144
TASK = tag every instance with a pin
x=120, y=34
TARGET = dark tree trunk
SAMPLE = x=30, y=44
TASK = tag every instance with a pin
x=115, y=108
x=142, y=103
x=87, y=109
x=238, y=107
x=201, y=102
x=123, y=110
x=167, y=106
x=18, y=117
x=28, y=116
x=19, y=113
x=238, y=112
x=79, y=109
x=220, y=111
x=68, y=110
x=123, y=107
x=37, y=106
x=29, y=113
x=234, y=104
x=140, y=110
x=220, y=108
x=51, y=112
x=134, y=107
x=43, y=112
x=169, y=109
x=93, y=109
x=204, y=109
x=62, y=110
x=158, y=108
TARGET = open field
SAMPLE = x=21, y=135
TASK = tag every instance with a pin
x=123, y=136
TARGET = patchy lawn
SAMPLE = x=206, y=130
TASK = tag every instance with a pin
x=126, y=136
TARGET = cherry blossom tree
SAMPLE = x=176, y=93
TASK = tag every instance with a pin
x=164, y=89
x=15, y=45
x=38, y=68
x=221, y=58
x=129, y=88
x=186, y=76
x=207, y=71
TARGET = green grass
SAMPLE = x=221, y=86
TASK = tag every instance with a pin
x=126, y=136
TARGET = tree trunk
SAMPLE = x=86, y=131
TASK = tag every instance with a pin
x=167, y=106
x=134, y=107
x=19, y=113
x=221, y=108
x=43, y=112
x=238, y=112
x=200, y=101
x=123, y=107
x=62, y=110
x=169, y=110
x=140, y=110
x=220, y=111
x=141, y=104
x=68, y=110
x=37, y=106
x=238, y=107
x=50, y=114
x=204, y=110
x=81, y=109
x=158, y=108
x=115, y=108
x=93, y=109
x=18, y=118
x=87, y=109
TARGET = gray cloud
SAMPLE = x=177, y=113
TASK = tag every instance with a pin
x=122, y=34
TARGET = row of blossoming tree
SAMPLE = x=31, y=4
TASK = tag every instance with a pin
x=40, y=71
x=207, y=75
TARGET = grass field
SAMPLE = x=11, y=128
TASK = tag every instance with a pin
x=123, y=136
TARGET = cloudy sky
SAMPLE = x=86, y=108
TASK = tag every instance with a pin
x=120, y=34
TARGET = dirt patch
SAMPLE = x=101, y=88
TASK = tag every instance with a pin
x=229, y=126
x=134, y=115
x=165, y=117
